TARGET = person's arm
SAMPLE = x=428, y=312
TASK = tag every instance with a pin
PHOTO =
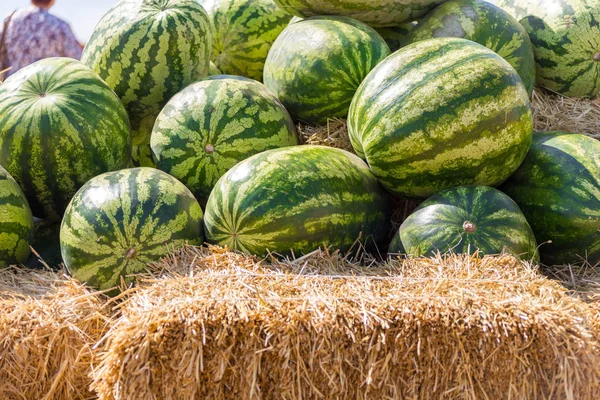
x=71, y=47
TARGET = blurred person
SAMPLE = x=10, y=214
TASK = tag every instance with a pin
x=31, y=34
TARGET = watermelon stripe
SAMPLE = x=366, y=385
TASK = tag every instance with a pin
x=60, y=126
x=142, y=209
x=296, y=198
x=461, y=118
x=147, y=51
x=379, y=13
x=16, y=222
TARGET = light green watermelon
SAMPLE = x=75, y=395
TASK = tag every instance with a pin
x=566, y=41
x=60, y=125
x=316, y=65
x=465, y=220
x=244, y=31
x=441, y=113
x=147, y=51
x=486, y=24
x=295, y=200
x=372, y=12
x=558, y=189
x=121, y=221
x=16, y=222
x=212, y=125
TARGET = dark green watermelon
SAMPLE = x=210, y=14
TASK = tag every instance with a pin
x=558, y=189
x=295, y=200
x=465, y=220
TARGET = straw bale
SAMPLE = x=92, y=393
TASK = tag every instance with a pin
x=219, y=325
x=553, y=112
x=48, y=327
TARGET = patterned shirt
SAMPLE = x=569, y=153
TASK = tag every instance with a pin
x=34, y=34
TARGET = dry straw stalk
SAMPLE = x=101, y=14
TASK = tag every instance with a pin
x=219, y=325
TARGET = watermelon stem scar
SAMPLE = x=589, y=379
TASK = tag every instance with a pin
x=131, y=253
x=469, y=227
x=597, y=57
x=209, y=148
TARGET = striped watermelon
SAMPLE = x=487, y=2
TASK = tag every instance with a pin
x=60, y=125
x=147, y=51
x=464, y=220
x=297, y=199
x=441, y=113
x=212, y=125
x=16, y=222
x=244, y=31
x=372, y=12
x=121, y=221
x=566, y=40
x=316, y=65
x=396, y=36
x=486, y=24
x=558, y=189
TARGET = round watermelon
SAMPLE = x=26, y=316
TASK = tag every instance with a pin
x=441, y=113
x=16, y=222
x=566, y=41
x=316, y=65
x=147, y=51
x=486, y=24
x=212, y=125
x=558, y=189
x=465, y=220
x=60, y=125
x=244, y=31
x=121, y=221
x=295, y=200
x=372, y=12
x=395, y=36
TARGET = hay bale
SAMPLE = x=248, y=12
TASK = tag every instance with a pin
x=48, y=327
x=219, y=325
x=553, y=112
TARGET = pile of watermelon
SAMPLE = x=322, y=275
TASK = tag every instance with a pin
x=179, y=125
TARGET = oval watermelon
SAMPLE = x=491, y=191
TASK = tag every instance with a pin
x=147, y=51
x=244, y=31
x=212, y=125
x=60, y=125
x=395, y=36
x=566, y=41
x=464, y=220
x=121, y=221
x=316, y=65
x=441, y=113
x=372, y=12
x=16, y=222
x=295, y=200
x=486, y=24
x=558, y=189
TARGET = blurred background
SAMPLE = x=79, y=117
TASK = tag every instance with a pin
x=82, y=15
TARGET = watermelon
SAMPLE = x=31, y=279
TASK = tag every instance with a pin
x=295, y=200
x=396, y=36
x=46, y=243
x=566, y=41
x=60, y=125
x=441, y=113
x=213, y=70
x=316, y=65
x=244, y=31
x=121, y=221
x=147, y=51
x=558, y=189
x=16, y=222
x=464, y=220
x=212, y=125
x=373, y=12
x=486, y=24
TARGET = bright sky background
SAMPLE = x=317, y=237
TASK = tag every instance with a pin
x=82, y=15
